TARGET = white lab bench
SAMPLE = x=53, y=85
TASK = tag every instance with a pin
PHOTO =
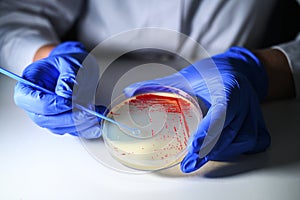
x=36, y=164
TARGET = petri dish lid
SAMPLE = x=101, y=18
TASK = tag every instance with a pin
x=166, y=120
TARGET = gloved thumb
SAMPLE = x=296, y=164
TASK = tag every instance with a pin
x=192, y=162
x=67, y=57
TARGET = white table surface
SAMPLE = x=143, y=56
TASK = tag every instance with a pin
x=36, y=164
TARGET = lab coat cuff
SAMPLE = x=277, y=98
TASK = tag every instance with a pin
x=32, y=43
x=291, y=51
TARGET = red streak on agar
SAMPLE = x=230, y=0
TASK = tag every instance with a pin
x=170, y=104
x=185, y=122
x=112, y=113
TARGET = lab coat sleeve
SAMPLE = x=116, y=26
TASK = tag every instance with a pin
x=292, y=52
x=26, y=25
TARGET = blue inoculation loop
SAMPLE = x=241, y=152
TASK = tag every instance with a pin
x=22, y=80
x=134, y=131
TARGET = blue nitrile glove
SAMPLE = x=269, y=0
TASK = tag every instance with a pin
x=231, y=85
x=58, y=73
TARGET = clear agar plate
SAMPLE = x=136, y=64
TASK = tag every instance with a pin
x=166, y=121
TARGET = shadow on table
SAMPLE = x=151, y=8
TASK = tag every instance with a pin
x=282, y=119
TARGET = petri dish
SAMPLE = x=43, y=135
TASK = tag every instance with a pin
x=166, y=120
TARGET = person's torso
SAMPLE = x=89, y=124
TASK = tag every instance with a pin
x=215, y=24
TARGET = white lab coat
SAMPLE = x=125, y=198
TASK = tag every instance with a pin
x=26, y=25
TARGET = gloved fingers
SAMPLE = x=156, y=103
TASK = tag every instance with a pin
x=68, y=68
x=239, y=120
x=263, y=138
x=253, y=135
x=246, y=141
x=38, y=102
x=210, y=128
x=215, y=132
x=249, y=133
x=59, y=124
x=205, y=138
x=92, y=129
x=237, y=138
x=221, y=149
x=192, y=162
x=77, y=123
x=68, y=58
x=91, y=132
x=87, y=126
x=42, y=73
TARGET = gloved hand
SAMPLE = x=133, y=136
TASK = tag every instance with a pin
x=58, y=73
x=231, y=86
